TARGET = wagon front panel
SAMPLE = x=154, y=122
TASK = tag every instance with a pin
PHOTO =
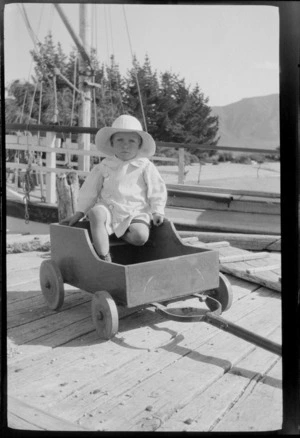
x=80, y=266
x=161, y=280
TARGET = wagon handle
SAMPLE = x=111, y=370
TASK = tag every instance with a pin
x=162, y=310
x=216, y=320
x=240, y=332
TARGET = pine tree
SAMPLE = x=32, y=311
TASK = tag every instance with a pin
x=172, y=111
x=113, y=93
x=142, y=78
x=172, y=101
x=200, y=126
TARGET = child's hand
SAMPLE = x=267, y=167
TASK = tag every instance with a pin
x=157, y=219
x=73, y=219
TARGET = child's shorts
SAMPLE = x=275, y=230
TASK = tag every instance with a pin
x=121, y=229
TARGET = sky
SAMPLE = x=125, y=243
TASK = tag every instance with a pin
x=230, y=51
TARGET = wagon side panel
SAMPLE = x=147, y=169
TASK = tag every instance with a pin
x=170, y=278
x=80, y=266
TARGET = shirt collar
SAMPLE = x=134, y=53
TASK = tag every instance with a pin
x=115, y=161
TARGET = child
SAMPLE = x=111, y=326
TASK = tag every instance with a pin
x=125, y=191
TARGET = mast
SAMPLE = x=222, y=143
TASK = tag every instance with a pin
x=83, y=44
x=84, y=76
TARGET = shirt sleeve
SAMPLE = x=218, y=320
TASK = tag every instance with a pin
x=90, y=189
x=156, y=189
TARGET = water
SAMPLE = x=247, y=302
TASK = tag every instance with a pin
x=18, y=226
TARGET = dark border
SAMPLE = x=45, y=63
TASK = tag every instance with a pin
x=289, y=19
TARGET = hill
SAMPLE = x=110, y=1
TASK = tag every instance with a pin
x=250, y=122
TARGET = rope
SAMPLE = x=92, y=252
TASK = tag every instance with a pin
x=107, y=50
x=135, y=71
x=27, y=23
x=40, y=106
x=95, y=106
x=39, y=154
x=23, y=106
x=55, y=117
x=74, y=92
x=94, y=29
x=28, y=181
x=32, y=102
x=113, y=51
x=35, y=41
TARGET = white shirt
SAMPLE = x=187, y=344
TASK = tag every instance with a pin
x=126, y=188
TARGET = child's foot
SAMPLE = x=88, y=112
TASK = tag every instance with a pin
x=106, y=258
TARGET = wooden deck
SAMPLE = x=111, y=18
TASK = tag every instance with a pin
x=156, y=374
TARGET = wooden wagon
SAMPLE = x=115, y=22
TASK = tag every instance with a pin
x=162, y=270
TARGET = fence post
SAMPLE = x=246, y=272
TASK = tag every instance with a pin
x=51, y=162
x=67, y=186
x=68, y=155
x=16, y=171
x=181, y=166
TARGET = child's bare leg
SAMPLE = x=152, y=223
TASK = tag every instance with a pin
x=138, y=234
x=97, y=216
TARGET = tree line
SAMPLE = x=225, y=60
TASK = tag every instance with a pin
x=173, y=110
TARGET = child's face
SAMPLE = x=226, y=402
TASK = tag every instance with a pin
x=126, y=145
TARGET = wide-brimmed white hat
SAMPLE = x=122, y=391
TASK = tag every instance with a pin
x=125, y=123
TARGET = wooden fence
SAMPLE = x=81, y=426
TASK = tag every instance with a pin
x=47, y=169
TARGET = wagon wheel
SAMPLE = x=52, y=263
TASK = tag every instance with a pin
x=223, y=294
x=52, y=284
x=105, y=315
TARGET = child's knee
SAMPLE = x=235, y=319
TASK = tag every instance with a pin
x=139, y=237
x=97, y=215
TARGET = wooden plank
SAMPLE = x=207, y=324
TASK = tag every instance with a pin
x=35, y=418
x=42, y=168
x=223, y=221
x=221, y=202
x=218, y=244
x=243, y=257
x=21, y=146
x=262, y=268
x=190, y=239
x=54, y=323
x=21, y=313
x=210, y=189
x=207, y=410
x=89, y=130
x=254, y=242
x=199, y=244
x=259, y=278
x=15, y=422
x=22, y=143
x=263, y=402
x=171, y=160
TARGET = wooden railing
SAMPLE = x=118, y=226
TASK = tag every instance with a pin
x=51, y=145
